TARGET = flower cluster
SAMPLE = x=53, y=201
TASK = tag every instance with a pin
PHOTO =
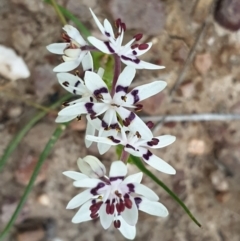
x=111, y=121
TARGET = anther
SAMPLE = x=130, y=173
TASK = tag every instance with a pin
x=117, y=223
x=138, y=36
x=143, y=46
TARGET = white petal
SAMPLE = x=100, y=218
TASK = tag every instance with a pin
x=62, y=119
x=141, y=52
x=87, y=62
x=83, y=213
x=100, y=72
x=90, y=130
x=105, y=219
x=57, y=48
x=136, y=125
x=95, y=122
x=67, y=66
x=74, y=83
x=74, y=34
x=123, y=82
x=130, y=215
x=145, y=91
x=100, y=45
x=118, y=169
x=72, y=53
x=75, y=175
x=164, y=140
x=79, y=199
x=76, y=109
x=94, y=82
x=129, y=62
x=87, y=182
x=100, y=26
x=153, y=208
x=159, y=164
x=146, y=65
x=133, y=178
x=127, y=230
x=108, y=28
x=145, y=191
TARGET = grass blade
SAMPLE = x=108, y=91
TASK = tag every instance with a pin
x=39, y=164
x=17, y=139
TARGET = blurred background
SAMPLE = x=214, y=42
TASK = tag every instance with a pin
x=199, y=43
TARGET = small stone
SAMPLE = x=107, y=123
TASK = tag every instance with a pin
x=14, y=112
x=187, y=89
x=148, y=16
x=196, y=147
x=22, y=40
x=44, y=78
x=227, y=14
x=25, y=169
x=203, y=63
x=223, y=197
x=31, y=235
x=180, y=54
x=43, y=199
x=12, y=66
x=201, y=10
x=219, y=181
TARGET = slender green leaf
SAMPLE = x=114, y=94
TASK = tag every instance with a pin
x=17, y=138
x=140, y=165
x=84, y=31
x=39, y=164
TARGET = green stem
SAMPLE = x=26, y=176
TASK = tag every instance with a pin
x=140, y=165
x=59, y=13
x=39, y=164
x=16, y=140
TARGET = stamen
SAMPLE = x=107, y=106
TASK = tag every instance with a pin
x=123, y=25
x=117, y=223
x=124, y=98
x=138, y=134
x=143, y=46
x=128, y=203
x=138, y=107
x=118, y=23
x=66, y=103
x=138, y=36
x=134, y=46
x=150, y=124
x=79, y=117
x=65, y=37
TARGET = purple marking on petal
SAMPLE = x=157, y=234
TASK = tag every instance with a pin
x=113, y=139
x=100, y=91
x=130, y=146
x=137, y=200
x=126, y=58
x=104, y=124
x=153, y=142
x=134, y=52
x=147, y=155
x=89, y=107
x=94, y=191
x=134, y=93
x=109, y=47
x=107, y=34
x=129, y=119
x=112, y=179
x=130, y=187
x=76, y=85
x=136, y=61
x=121, y=88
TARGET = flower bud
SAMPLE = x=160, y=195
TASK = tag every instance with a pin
x=91, y=166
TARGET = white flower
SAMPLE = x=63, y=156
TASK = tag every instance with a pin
x=118, y=104
x=128, y=53
x=91, y=166
x=114, y=199
x=71, y=51
x=137, y=146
